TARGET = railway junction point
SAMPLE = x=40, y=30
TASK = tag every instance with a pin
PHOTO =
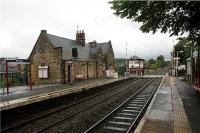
x=166, y=112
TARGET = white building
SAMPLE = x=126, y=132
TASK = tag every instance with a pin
x=135, y=65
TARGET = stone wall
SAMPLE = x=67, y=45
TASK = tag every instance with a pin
x=89, y=70
x=110, y=59
x=44, y=54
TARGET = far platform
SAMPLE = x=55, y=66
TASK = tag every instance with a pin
x=22, y=95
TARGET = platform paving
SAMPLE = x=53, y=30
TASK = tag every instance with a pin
x=19, y=96
x=191, y=103
x=166, y=113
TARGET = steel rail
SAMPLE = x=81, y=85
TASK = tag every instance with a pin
x=62, y=108
x=144, y=108
x=104, y=118
x=53, y=124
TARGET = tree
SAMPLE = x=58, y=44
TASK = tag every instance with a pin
x=183, y=45
x=161, y=58
x=175, y=17
x=151, y=61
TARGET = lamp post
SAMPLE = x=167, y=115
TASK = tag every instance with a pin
x=189, y=45
x=177, y=62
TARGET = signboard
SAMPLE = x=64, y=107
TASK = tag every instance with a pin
x=173, y=72
x=195, y=53
x=17, y=61
x=43, y=71
x=176, y=58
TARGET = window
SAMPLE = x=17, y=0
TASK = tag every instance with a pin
x=74, y=52
x=136, y=61
x=43, y=71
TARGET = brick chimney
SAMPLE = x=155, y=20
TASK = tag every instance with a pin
x=80, y=38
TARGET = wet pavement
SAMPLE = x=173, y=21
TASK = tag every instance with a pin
x=191, y=102
x=166, y=113
x=24, y=91
x=21, y=96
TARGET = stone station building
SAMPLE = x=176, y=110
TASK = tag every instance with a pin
x=56, y=59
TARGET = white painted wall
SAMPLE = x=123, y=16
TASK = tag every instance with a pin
x=135, y=63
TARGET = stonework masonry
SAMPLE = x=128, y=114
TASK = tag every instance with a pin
x=56, y=53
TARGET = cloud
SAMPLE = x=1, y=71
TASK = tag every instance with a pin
x=22, y=21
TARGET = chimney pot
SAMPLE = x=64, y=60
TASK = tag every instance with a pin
x=44, y=31
x=80, y=37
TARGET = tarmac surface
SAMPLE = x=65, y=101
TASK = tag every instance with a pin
x=174, y=109
x=24, y=91
x=22, y=95
x=191, y=102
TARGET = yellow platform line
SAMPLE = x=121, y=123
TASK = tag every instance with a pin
x=181, y=123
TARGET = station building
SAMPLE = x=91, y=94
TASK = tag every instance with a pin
x=56, y=59
x=135, y=65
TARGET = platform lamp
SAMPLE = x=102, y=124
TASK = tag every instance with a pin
x=177, y=58
x=191, y=52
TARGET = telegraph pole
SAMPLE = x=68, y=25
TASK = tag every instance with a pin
x=126, y=59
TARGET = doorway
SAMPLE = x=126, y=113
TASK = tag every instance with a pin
x=69, y=73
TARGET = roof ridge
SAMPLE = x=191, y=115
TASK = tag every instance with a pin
x=60, y=37
x=103, y=43
x=65, y=38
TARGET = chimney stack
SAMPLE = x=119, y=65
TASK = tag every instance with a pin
x=80, y=38
x=43, y=31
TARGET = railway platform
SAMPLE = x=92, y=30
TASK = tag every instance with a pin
x=19, y=96
x=166, y=113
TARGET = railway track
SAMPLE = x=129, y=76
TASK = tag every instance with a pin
x=51, y=120
x=125, y=117
x=103, y=99
x=87, y=118
x=39, y=116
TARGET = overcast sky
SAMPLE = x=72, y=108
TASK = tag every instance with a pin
x=22, y=20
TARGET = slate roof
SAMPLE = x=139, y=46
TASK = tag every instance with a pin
x=135, y=58
x=104, y=47
x=61, y=42
x=84, y=53
x=68, y=44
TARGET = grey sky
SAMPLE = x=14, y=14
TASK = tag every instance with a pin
x=22, y=20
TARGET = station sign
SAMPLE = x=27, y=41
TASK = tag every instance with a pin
x=176, y=58
x=17, y=61
x=195, y=53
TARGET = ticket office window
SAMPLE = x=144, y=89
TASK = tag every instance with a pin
x=43, y=72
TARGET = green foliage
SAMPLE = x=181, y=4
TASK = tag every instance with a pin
x=156, y=64
x=175, y=17
x=153, y=67
x=11, y=82
x=120, y=65
x=161, y=58
x=183, y=45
